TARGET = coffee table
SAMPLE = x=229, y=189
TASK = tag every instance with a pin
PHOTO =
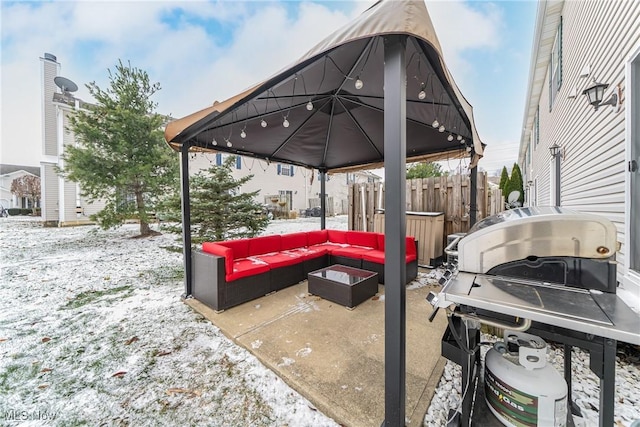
x=347, y=286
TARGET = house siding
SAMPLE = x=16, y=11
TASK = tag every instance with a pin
x=601, y=36
x=49, y=124
x=49, y=193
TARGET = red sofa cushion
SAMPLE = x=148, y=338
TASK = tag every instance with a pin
x=378, y=257
x=240, y=247
x=362, y=238
x=355, y=252
x=316, y=237
x=380, y=238
x=220, y=250
x=308, y=252
x=293, y=241
x=337, y=236
x=246, y=267
x=280, y=259
x=264, y=245
x=411, y=246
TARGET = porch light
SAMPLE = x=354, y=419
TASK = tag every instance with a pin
x=595, y=93
x=556, y=150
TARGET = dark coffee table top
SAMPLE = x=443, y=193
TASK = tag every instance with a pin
x=343, y=274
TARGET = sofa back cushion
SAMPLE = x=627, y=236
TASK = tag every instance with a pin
x=380, y=238
x=264, y=244
x=362, y=238
x=293, y=241
x=220, y=250
x=411, y=246
x=337, y=236
x=240, y=247
x=316, y=237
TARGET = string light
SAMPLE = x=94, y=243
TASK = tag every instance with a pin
x=358, y=83
x=285, y=123
x=243, y=134
x=309, y=105
x=422, y=94
x=459, y=138
x=214, y=142
x=229, y=144
x=263, y=123
x=463, y=141
x=450, y=138
x=435, y=123
x=441, y=128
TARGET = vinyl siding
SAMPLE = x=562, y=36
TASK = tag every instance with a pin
x=50, y=193
x=49, y=141
x=600, y=35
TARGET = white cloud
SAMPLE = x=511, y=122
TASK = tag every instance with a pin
x=194, y=64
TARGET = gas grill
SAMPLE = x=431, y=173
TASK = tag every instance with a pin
x=549, y=271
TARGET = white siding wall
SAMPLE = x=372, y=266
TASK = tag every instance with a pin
x=599, y=34
x=269, y=182
x=49, y=141
x=49, y=196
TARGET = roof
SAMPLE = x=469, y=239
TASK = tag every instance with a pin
x=9, y=169
x=310, y=114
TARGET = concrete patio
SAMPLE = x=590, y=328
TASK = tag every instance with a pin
x=335, y=356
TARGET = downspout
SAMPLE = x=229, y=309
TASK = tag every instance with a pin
x=186, y=219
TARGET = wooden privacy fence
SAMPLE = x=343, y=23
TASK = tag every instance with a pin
x=447, y=194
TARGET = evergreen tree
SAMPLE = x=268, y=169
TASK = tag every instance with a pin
x=504, y=179
x=122, y=158
x=424, y=170
x=516, y=183
x=219, y=211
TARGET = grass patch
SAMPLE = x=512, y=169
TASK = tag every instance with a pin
x=87, y=297
x=167, y=274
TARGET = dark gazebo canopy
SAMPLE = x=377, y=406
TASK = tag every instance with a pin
x=325, y=111
x=374, y=93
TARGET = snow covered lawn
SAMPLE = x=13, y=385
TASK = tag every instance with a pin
x=93, y=332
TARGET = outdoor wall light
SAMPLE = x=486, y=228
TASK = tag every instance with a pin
x=595, y=93
x=556, y=151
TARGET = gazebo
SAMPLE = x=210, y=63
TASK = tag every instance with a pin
x=374, y=93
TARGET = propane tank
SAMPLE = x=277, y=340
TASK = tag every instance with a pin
x=521, y=389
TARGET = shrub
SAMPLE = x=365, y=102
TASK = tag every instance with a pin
x=14, y=211
x=25, y=211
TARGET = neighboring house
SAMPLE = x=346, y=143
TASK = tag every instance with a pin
x=7, y=174
x=298, y=187
x=576, y=44
x=61, y=201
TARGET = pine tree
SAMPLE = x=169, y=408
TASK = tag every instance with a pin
x=504, y=179
x=518, y=185
x=122, y=158
x=219, y=211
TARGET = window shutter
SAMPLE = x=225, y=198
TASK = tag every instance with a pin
x=559, y=55
x=279, y=169
x=218, y=159
x=238, y=162
x=291, y=170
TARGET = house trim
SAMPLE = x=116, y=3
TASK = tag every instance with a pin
x=630, y=278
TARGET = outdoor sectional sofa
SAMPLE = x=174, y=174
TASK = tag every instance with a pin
x=229, y=273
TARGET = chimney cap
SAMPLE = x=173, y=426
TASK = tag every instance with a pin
x=50, y=57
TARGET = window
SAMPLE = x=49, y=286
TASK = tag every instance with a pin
x=555, y=66
x=286, y=170
x=536, y=127
x=238, y=162
x=218, y=159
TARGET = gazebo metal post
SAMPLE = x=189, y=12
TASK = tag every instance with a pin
x=323, y=203
x=473, y=202
x=395, y=126
x=186, y=218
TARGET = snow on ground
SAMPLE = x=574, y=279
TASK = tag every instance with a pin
x=93, y=332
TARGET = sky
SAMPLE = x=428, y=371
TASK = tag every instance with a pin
x=203, y=51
